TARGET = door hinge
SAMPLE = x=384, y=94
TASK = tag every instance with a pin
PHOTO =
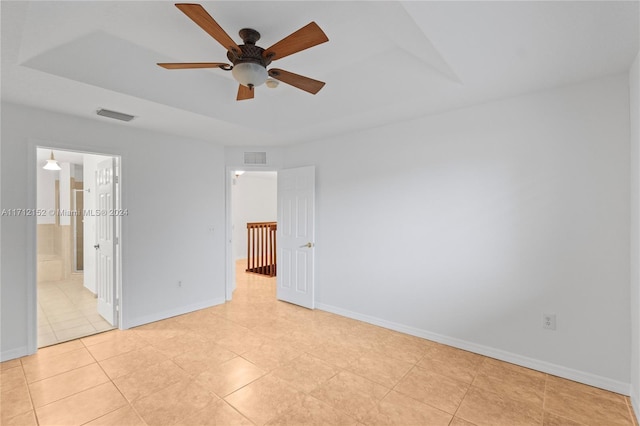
x=117, y=240
x=117, y=305
x=116, y=179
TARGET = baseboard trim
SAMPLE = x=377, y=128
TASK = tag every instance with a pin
x=534, y=364
x=14, y=353
x=159, y=316
x=635, y=402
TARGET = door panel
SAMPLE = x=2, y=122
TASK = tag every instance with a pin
x=296, y=221
x=105, y=244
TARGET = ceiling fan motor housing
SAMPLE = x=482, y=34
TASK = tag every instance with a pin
x=249, y=68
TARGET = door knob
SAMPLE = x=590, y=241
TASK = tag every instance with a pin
x=97, y=246
x=308, y=245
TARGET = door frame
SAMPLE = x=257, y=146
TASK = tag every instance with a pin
x=32, y=242
x=230, y=268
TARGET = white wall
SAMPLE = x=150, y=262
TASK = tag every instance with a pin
x=89, y=169
x=174, y=230
x=465, y=227
x=46, y=193
x=254, y=198
x=65, y=192
x=634, y=90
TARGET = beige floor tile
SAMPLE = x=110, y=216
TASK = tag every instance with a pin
x=241, y=342
x=132, y=361
x=296, y=367
x=11, y=378
x=457, y=421
x=75, y=332
x=24, y=419
x=338, y=353
x=448, y=361
x=44, y=326
x=41, y=368
x=272, y=354
x=181, y=343
x=380, y=368
x=229, y=376
x=118, y=345
x=586, y=405
x=203, y=358
x=433, y=389
x=68, y=307
x=174, y=403
x=54, y=350
x=101, y=325
x=57, y=387
x=149, y=379
x=558, y=384
x=265, y=399
x=274, y=329
x=398, y=409
x=47, y=339
x=551, y=419
x=105, y=336
x=483, y=407
x=632, y=412
x=217, y=413
x=69, y=323
x=306, y=372
x=15, y=401
x=82, y=407
x=156, y=334
x=403, y=347
x=351, y=394
x=312, y=411
x=60, y=314
x=10, y=364
x=125, y=416
x=511, y=381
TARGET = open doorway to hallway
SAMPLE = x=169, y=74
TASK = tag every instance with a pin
x=67, y=223
x=253, y=200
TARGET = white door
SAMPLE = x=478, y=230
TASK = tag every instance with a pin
x=296, y=204
x=105, y=244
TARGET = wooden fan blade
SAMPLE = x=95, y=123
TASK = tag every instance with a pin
x=244, y=93
x=301, y=82
x=207, y=23
x=306, y=37
x=186, y=65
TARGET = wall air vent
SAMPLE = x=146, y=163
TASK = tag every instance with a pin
x=113, y=114
x=255, y=158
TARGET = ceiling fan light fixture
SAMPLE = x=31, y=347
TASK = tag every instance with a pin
x=52, y=164
x=249, y=74
x=271, y=83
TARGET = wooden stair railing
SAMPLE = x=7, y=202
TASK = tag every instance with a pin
x=261, y=248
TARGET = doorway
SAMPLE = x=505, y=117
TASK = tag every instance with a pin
x=295, y=222
x=67, y=272
x=253, y=199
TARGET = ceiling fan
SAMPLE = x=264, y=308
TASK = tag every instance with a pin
x=250, y=61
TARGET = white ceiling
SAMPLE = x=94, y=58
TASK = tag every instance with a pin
x=384, y=62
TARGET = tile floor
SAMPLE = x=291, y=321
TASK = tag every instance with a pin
x=66, y=311
x=257, y=361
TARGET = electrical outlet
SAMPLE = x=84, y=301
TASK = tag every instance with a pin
x=179, y=283
x=549, y=321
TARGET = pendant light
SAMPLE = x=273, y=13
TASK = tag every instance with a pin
x=52, y=164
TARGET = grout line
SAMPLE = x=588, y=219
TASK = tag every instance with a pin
x=33, y=406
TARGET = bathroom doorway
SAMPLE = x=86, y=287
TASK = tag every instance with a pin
x=66, y=231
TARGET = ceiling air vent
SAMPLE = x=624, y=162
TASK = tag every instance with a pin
x=113, y=114
x=255, y=158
